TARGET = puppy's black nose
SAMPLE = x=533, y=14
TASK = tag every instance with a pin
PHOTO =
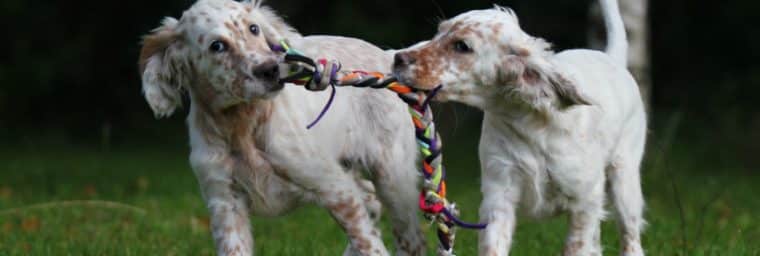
x=269, y=70
x=403, y=59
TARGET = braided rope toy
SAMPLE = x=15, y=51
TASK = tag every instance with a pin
x=318, y=75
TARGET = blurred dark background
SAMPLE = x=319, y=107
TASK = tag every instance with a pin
x=68, y=69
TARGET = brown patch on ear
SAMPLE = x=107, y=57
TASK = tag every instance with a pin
x=510, y=71
x=567, y=93
x=531, y=77
x=495, y=29
x=540, y=81
x=494, y=34
x=154, y=44
x=522, y=52
x=161, y=77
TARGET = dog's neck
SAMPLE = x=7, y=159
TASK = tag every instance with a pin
x=233, y=133
x=234, y=127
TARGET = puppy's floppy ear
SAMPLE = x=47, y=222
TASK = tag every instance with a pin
x=159, y=85
x=567, y=92
x=538, y=82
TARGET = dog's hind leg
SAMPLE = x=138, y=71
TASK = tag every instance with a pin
x=624, y=188
x=628, y=201
x=373, y=205
x=625, y=192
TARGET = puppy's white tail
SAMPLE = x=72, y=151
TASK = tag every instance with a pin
x=617, y=43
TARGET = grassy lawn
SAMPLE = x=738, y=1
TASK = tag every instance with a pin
x=143, y=200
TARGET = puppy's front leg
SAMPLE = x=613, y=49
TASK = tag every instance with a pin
x=228, y=210
x=501, y=187
x=500, y=196
x=230, y=225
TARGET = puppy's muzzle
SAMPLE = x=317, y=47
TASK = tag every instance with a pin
x=402, y=60
x=268, y=70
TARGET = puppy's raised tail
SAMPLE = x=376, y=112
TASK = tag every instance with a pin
x=617, y=43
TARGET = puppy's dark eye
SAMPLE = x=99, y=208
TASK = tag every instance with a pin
x=462, y=47
x=254, y=29
x=218, y=46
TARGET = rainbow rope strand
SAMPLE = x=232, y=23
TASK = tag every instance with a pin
x=318, y=75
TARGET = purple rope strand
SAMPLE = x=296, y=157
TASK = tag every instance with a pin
x=430, y=96
x=324, y=110
x=462, y=223
x=276, y=48
x=334, y=73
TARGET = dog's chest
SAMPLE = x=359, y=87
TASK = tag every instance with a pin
x=552, y=167
x=268, y=194
x=541, y=194
x=255, y=175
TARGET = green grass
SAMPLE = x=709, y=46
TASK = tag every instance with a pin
x=695, y=206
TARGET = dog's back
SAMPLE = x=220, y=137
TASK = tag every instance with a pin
x=363, y=115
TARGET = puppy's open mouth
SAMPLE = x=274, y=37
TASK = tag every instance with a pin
x=401, y=76
x=272, y=88
x=405, y=79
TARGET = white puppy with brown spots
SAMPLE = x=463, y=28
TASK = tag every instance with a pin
x=561, y=131
x=251, y=152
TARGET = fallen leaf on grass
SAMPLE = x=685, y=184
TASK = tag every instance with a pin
x=72, y=231
x=30, y=224
x=5, y=193
x=7, y=227
x=142, y=183
x=90, y=191
x=199, y=224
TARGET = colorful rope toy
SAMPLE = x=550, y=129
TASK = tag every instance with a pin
x=318, y=75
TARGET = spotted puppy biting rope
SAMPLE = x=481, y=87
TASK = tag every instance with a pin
x=320, y=74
